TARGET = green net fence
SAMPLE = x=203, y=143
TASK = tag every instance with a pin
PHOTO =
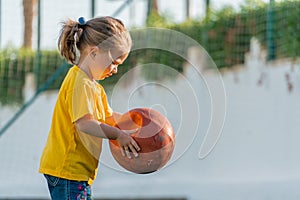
x=227, y=37
x=16, y=64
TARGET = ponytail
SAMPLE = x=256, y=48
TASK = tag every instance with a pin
x=68, y=41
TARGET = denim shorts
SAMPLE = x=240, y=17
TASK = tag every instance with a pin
x=63, y=189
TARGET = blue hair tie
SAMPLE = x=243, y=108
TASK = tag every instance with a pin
x=82, y=21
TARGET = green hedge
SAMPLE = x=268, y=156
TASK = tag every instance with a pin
x=14, y=64
x=227, y=39
x=13, y=67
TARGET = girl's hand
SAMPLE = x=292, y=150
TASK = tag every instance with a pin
x=127, y=143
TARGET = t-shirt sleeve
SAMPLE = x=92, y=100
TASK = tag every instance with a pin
x=81, y=102
x=107, y=109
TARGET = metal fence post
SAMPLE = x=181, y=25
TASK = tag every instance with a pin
x=0, y=24
x=93, y=8
x=37, y=68
x=271, y=46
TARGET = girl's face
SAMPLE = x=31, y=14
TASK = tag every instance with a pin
x=105, y=64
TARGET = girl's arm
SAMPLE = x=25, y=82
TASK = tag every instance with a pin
x=112, y=119
x=89, y=125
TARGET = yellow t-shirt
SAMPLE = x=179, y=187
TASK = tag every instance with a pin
x=69, y=153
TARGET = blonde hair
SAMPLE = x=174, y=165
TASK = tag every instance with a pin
x=105, y=32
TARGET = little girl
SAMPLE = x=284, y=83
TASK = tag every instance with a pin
x=82, y=114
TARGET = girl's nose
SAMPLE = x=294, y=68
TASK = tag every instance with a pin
x=115, y=70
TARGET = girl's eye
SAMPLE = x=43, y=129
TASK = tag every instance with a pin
x=115, y=63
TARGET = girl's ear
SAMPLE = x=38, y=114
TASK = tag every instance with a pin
x=93, y=51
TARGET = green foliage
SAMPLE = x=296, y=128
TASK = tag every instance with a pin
x=159, y=56
x=225, y=12
x=46, y=64
x=226, y=33
x=158, y=20
x=251, y=5
x=287, y=28
x=15, y=64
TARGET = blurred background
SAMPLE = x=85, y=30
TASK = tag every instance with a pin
x=252, y=47
x=29, y=31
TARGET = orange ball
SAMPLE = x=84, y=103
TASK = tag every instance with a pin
x=155, y=137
